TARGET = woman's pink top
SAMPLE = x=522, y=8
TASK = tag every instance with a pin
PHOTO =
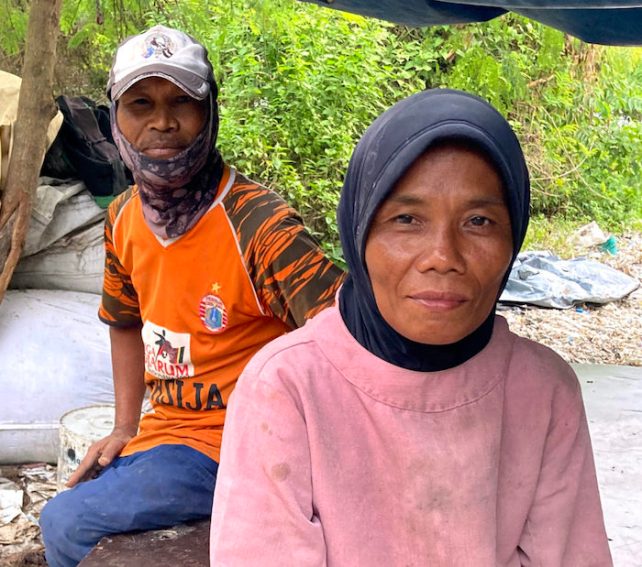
x=332, y=456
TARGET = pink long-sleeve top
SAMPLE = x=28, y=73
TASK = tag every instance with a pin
x=334, y=457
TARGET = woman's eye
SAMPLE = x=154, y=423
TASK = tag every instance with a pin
x=479, y=221
x=404, y=219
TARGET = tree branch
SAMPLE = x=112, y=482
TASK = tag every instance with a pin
x=36, y=108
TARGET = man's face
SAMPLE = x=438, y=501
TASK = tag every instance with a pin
x=158, y=118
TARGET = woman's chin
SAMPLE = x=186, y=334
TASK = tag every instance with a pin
x=438, y=330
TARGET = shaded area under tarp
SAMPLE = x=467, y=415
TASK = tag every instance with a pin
x=615, y=22
x=613, y=400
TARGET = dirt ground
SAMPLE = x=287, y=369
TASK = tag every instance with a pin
x=608, y=334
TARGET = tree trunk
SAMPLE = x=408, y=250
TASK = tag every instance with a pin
x=36, y=108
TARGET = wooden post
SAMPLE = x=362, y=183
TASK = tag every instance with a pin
x=36, y=108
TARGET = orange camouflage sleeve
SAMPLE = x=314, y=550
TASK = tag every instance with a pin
x=293, y=277
x=119, y=305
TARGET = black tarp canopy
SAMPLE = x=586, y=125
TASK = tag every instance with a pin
x=614, y=22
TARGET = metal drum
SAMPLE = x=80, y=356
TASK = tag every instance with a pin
x=79, y=428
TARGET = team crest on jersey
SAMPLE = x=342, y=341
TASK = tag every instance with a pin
x=212, y=312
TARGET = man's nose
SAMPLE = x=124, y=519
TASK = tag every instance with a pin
x=163, y=119
x=440, y=249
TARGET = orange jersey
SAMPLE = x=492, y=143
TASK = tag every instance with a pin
x=247, y=272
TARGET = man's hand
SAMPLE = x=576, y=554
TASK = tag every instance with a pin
x=128, y=363
x=99, y=455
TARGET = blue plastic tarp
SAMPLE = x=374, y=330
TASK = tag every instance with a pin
x=616, y=22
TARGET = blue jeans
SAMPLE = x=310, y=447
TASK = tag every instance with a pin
x=153, y=489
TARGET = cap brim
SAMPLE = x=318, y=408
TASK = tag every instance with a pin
x=193, y=85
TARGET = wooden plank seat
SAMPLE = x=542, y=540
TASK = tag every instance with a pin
x=185, y=545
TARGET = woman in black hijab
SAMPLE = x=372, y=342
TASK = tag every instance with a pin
x=386, y=151
x=409, y=426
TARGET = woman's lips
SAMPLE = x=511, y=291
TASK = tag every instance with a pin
x=439, y=301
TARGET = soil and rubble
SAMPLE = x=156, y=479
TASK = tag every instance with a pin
x=24, y=490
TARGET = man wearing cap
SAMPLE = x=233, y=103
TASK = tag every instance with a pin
x=203, y=267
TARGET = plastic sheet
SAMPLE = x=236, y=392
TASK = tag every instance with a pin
x=543, y=279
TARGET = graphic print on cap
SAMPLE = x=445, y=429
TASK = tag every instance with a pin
x=158, y=44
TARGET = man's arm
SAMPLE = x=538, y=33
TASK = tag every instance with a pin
x=128, y=362
x=292, y=276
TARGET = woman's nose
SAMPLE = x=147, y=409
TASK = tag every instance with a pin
x=440, y=249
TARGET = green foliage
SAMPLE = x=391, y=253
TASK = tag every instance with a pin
x=298, y=87
x=575, y=107
x=14, y=25
x=299, y=84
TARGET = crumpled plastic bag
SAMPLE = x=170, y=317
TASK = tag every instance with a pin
x=11, y=497
x=542, y=278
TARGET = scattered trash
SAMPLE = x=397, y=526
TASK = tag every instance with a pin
x=40, y=484
x=609, y=245
x=588, y=236
x=592, y=236
x=10, y=503
x=24, y=490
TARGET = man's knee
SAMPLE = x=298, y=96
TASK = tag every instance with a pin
x=56, y=519
x=66, y=542
x=59, y=519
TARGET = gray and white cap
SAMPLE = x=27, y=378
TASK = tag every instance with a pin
x=161, y=52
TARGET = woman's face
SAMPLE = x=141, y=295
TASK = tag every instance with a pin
x=439, y=246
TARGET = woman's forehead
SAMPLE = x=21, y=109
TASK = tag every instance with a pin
x=451, y=167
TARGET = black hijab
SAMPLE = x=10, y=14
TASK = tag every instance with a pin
x=385, y=152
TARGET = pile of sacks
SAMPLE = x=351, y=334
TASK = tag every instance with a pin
x=54, y=351
x=64, y=244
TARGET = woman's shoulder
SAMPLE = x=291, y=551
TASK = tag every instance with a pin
x=536, y=362
x=292, y=368
x=299, y=347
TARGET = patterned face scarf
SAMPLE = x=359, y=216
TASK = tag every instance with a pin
x=178, y=191
x=385, y=152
